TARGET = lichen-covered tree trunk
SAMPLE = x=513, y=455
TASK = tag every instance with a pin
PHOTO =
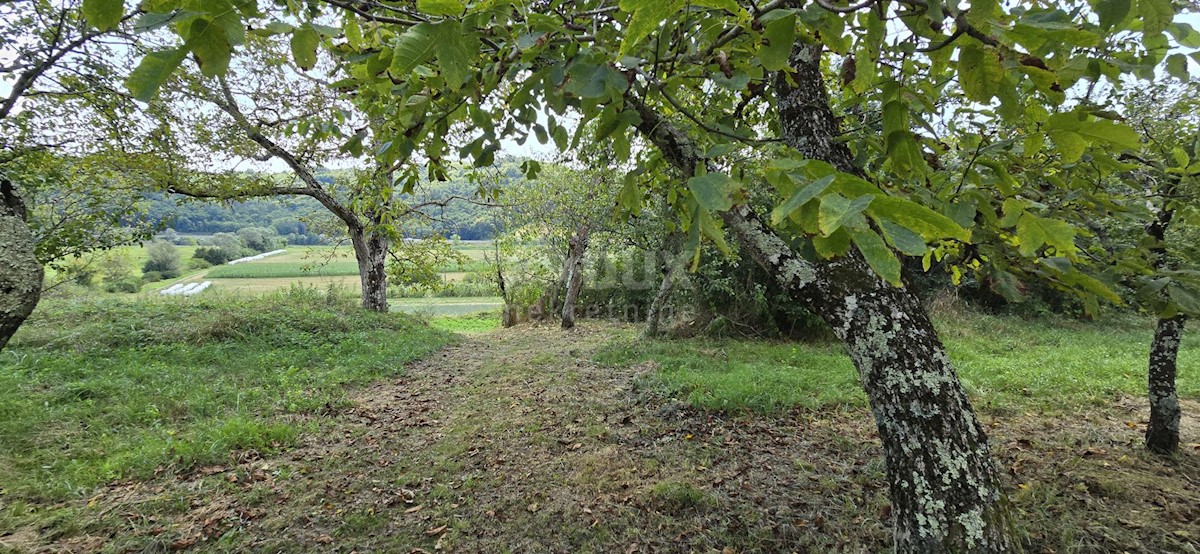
x=945, y=488
x=577, y=246
x=20, y=272
x=670, y=270
x=1162, y=434
x=370, y=251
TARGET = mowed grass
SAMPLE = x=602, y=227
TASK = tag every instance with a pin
x=271, y=269
x=1005, y=363
x=328, y=261
x=94, y=390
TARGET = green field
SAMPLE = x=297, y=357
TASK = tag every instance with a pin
x=1009, y=362
x=271, y=268
x=95, y=390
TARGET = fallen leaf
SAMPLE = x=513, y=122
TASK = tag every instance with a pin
x=533, y=507
x=414, y=509
x=437, y=530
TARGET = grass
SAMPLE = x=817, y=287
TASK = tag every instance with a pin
x=1004, y=362
x=448, y=306
x=264, y=269
x=468, y=324
x=97, y=390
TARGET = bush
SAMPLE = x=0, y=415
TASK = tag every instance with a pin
x=198, y=263
x=129, y=285
x=212, y=255
x=164, y=259
x=152, y=276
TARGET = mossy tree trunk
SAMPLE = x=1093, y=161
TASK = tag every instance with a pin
x=370, y=251
x=945, y=487
x=20, y=272
x=671, y=267
x=1162, y=433
x=577, y=247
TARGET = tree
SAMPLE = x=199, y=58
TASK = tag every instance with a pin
x=565, y=210
x=41, y=38
x=1166, y=173
x=269, y=109
x=163, y=258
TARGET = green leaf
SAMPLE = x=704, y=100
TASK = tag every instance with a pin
x=452, y=54
x=414, y=47
x=881, y=258
x=144, y=81
x=979, y=72
x=103, y=14
x=1070, y=145
x=595, y=81
x=353, y=32
x=1112, y=12
x=1184, y=299
x=1156, y=15
x=902, y=239
x=441, y=7
x=1007, y=285
x=713, y=190
x=710, y=229
x=1111, y=132
x=801, y=197
x=208, y=42
x=647, y=16
x=836, y=244
x=304, y=47
x=1177, y=66
x=837, y=209
x=1034, y=231
x=780, y=34
x=917, y=218
x=630, y=197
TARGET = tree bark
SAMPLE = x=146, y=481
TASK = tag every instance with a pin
x=20, y=271
x=1162, y=433
x=577, y=246
x=945, y=488
x=370, y=251
x=670, y=270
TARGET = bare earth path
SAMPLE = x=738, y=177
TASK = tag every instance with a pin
x=515, y=441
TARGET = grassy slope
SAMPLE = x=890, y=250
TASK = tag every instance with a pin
x=95, y=390
x=1005, y=362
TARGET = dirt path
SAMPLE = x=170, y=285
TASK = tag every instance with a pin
x=516, y=441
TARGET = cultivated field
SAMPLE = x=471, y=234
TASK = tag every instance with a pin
x=326, y=267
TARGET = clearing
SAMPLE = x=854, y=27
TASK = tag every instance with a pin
x=520, y=440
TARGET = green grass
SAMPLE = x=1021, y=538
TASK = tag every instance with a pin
x=468, y=324
x=1004, y=362
x=273, y=270
x=96, y=390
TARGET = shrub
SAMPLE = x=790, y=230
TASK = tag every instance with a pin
x=213, y=255
x=163, y=258
x=152, y=276
x=129, y=285
x=198, y=263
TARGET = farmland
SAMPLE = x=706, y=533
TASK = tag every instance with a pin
x=329, y=268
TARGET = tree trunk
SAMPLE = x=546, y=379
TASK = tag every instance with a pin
x=370, y=251
x=20, y=272
x=1162, y=434
x=944, y=486
x=670, y=271
x=574, y=269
